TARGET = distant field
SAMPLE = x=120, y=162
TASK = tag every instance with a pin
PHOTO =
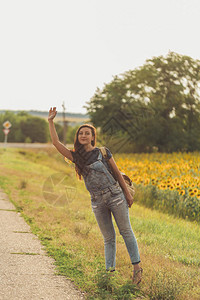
x=72, y=118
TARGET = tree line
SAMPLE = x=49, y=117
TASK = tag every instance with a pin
x=31, y=129
x=155, y=107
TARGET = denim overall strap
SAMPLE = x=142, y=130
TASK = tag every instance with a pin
x=98, y=177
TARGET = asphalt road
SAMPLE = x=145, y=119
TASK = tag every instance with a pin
x=29, y=145
x=26, y=272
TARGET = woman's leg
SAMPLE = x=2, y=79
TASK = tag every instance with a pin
x=104, y=220
x=119, y=208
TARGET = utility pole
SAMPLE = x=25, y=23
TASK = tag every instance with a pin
x=64, y=124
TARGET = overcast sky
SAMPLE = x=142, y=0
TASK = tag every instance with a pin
x=62, y=50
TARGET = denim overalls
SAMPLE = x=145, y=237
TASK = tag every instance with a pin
x=107, y=197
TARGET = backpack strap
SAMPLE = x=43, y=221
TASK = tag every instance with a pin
x=103, y=151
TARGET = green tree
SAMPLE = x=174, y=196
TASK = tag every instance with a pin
x=36, y=129
x=156, y=105
x=15, y=134
x=24, y=127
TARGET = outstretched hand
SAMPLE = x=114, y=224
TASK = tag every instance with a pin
x=52, y=113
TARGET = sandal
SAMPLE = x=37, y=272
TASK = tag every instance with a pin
x=137, y=276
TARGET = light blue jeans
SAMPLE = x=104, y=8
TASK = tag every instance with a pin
x=104, y=205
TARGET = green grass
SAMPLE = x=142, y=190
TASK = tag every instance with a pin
x=169, y=247
x=177, y=239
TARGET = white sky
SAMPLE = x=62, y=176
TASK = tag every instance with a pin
x=62, y=50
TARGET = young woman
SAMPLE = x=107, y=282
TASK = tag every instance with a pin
x=109, y=194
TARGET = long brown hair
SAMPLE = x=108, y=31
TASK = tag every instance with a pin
x=80, y=148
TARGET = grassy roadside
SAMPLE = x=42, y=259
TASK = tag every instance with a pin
x=169, y=247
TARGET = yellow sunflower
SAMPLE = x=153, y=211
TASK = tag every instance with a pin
x=182, y=192
x=195, y=190
x=162, y=186
x=191, y=193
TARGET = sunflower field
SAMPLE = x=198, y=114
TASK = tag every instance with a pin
x=167, y=182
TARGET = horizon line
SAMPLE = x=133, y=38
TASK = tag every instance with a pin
x=35, y=110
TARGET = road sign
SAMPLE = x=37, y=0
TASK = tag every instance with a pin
x=6, y=131
x=7, y=124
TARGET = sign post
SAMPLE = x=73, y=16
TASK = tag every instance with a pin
x=6, y=130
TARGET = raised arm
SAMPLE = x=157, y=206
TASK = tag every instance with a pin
x=54, y=137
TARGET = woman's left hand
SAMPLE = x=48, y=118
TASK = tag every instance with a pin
x=129, y=200
x=52, y=113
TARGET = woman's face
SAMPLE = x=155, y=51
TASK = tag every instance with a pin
x=85, y=136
